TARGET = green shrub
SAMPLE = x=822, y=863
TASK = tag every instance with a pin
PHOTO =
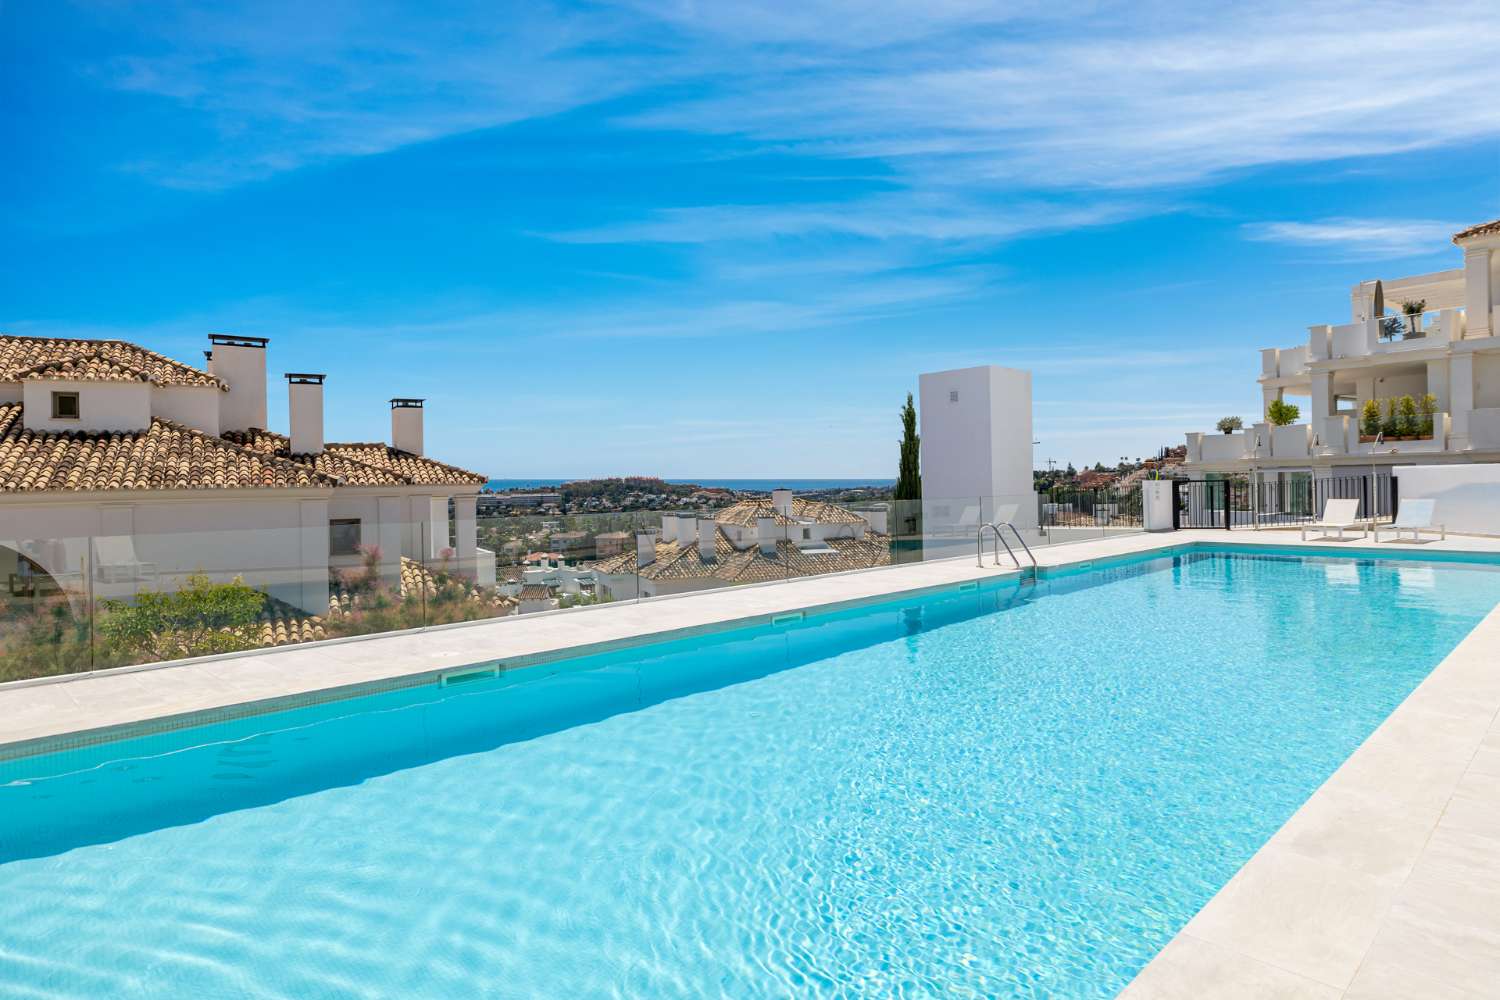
x=202, y=618
x=1281, y=413
x=1369, y=418
x=1407, y=423
x=1388, y=425
x=1427, y=407
x=1229, y=425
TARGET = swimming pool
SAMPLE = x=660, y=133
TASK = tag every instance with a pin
x=1014, y=791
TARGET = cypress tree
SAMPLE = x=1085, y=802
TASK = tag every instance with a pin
x=909, y=481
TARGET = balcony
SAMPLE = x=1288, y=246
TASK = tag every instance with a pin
x=1385, y=335
x=1283, y=362
x=1219, y=447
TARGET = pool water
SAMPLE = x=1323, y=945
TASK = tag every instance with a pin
x=1017, y=791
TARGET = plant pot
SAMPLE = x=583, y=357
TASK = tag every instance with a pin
x=1367, y=438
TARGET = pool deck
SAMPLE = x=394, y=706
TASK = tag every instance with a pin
x=1386, y=883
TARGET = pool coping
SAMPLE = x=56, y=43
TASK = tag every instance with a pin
x=1331, y=906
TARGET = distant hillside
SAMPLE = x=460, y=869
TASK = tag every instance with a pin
x=619, y=488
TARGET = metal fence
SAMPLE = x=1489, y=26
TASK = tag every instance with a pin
x=1245, y=502
x=1102, y=507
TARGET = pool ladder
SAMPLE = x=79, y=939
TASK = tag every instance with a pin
x=998, y=529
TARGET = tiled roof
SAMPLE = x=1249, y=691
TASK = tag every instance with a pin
x=168, y=456
x=361, y=464
x=676, y=561
x=746, y=512
x=416, y=469
x=1483, y=229
x=95, y=360
x=535, y=592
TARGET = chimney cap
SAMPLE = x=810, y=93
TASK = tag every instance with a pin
x=305, y=378
x=230, y=340
x=403, y=402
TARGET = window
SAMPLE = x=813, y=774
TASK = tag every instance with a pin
x=65, y=406
x=343, y=537
x=952, y=395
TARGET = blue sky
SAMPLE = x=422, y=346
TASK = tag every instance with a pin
x=704, y=239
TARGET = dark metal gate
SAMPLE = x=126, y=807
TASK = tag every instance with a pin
x=1288, y=499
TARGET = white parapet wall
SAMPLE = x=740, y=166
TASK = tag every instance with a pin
x=1468, y=496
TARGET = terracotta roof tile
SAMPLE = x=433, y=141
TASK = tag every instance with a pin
x=95, y=360
x=1483, y=229
x=168, y=456
x=746, y=512
x=362, y=464
x=677, y=561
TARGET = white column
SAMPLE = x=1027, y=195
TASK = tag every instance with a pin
x=438, y=534
x=466, y=534
x=1461, y=391
x=1322, y=398
x=312, y=591
x=1268, y=395
x=1437, y=382
x=1479, y=297
x=391, y=526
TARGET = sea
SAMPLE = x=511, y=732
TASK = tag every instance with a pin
x=745, y=485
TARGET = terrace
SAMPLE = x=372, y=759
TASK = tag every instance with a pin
x=1293, y=801
x=1378, y=880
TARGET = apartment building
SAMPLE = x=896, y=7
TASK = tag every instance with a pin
x=122, y=469
x=1430, y=336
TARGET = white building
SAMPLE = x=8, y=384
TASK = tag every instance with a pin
x=754, y=541
x=976, y=455
x=122, y=470
x=1412, y=336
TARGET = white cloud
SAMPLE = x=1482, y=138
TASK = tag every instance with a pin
x=952, y=94
x=1359, y=237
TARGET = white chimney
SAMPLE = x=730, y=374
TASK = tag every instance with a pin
x=669, y=530
x=240, y=362
x=877, y=517
x=304, y=403
x=406, y=425
x=645, y=549
x=765, y=533
x=708, y=539
x=781, y=500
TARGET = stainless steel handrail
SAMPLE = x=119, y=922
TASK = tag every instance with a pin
x=1017, y=532
x=979, y=544
x=1000, y=537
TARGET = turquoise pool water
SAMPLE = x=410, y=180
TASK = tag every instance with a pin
x=1019, y=791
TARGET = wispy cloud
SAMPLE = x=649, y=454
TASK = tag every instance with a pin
x=1359, y=237
x=1040, y=96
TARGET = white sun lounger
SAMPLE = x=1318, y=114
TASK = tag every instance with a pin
x=1415, y=516
x=1338, y=516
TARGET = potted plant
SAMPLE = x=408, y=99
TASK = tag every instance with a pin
x=1369, y=421
x=1407, y=424
x=1427, y=408
x=1281, y=413
x=1413, y=311
x=1229, y=425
